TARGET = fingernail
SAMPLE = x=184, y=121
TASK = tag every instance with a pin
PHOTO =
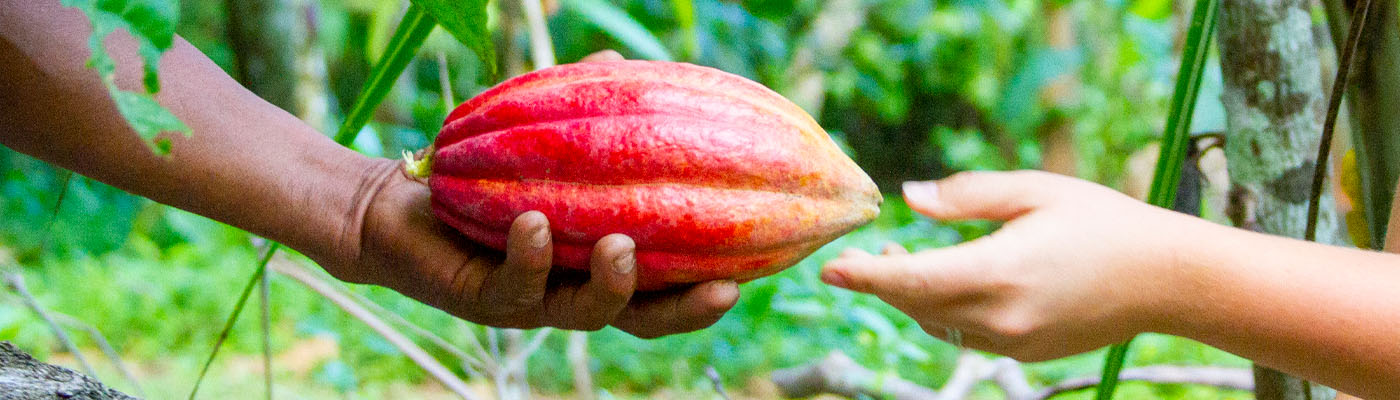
x=624, y=264
x=540, y=238
x=834, y=279
x=729, y=292
x=921, y=191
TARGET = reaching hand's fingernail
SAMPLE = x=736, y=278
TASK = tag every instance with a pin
x=834, y=279
x=624, y=264
x=540, y=238
x=922, y=191
x=853, y=253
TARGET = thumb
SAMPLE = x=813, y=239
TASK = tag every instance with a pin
x=1000, y=196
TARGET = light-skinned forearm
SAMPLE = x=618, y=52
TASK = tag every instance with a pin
x=1293, y=305
x=248, y=163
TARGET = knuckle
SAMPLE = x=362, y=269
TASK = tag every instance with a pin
x=1014, y=327
x=1031, y=174
x=962, y=178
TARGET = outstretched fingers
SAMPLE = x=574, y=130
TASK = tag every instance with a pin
x=899, y=275
x=997, y=196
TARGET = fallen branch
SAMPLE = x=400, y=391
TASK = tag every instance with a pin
x=840, y=375
x=97, y=337
x=1221, y=377
x=23, y=377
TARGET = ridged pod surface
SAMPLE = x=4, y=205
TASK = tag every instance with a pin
x=712, y=175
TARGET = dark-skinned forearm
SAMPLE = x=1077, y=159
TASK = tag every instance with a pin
x=248, y=163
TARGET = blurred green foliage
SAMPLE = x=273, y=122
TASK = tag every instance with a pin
x=912, y=89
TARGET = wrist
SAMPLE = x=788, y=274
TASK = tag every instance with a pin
x=1192, y=275
x=322, y=217
x=354, y=187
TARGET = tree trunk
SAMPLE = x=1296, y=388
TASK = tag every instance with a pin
x=1273, y=99
x=265, y=37
x=1056, y=134
x=1373, y=92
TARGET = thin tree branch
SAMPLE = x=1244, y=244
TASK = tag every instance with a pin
x=838, y=374
x=488, y=362
x=1221, y=377
x=577, y=353
x=516, y=357
x=107, y=349
x=16, y=283
x=713, y=374
x=1334, y=104
x=541, y=50
x=475, y=362
x=398, y=340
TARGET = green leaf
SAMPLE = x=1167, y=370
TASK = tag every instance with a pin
x=1175, y=140
x=1157, y=10
x=152, y=24
x=408, y=37
x=465, y=20
x=616, y=23
x=685, y=17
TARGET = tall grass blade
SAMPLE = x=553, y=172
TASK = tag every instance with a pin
x=1175, y=142
x=233, y=317
x=265, y=295
x=403, y=45
x=64, y=183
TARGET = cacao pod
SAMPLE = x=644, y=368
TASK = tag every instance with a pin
x=712, y=175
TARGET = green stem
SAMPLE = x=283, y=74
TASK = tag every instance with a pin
x=233, y=317
x=1175, y=140
x=408, y=37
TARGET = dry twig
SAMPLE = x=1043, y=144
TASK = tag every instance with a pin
x=355, y=309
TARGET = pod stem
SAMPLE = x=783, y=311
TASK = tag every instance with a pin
x=420, y=165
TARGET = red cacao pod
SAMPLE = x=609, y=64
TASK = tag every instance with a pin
x=712, y=175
